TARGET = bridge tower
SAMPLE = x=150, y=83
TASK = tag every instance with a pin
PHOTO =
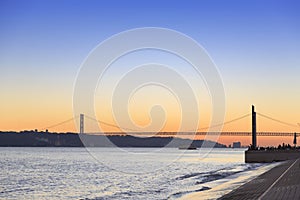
x=81, y=123
x=253, y=128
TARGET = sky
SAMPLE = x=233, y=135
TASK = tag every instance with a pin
x=254, y=44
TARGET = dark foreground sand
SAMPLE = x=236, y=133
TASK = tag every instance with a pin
x=281, y=182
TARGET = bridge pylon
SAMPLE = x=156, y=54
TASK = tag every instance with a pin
x=81, y=123
x=253, y=128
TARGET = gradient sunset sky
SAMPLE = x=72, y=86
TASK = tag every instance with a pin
x=255, y=44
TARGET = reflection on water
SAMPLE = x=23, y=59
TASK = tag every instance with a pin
x=55, y=173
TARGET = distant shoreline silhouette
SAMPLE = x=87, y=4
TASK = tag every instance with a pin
x=48, y=139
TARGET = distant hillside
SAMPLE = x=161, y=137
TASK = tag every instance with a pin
x=46, y=139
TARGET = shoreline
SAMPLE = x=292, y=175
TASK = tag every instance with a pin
x=280, y=182
x=221, y=187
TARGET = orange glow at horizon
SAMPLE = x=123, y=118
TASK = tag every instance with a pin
x=37, y=113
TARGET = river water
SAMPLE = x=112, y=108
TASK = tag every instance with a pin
x=111, y=173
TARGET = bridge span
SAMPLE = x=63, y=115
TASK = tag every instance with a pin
x=201, y=133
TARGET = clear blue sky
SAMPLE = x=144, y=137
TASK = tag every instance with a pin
x=254, y=43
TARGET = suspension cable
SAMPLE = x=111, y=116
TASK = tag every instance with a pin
x=276, y=120
x=204, y=128
x=58, y=124
x=227, y=122
x=216, y=125
x=108, y=124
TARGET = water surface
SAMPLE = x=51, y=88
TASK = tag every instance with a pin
x=74, y=173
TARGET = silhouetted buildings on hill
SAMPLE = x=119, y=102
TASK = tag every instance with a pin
x=236, y=145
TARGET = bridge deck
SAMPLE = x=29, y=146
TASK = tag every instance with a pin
x=203, y=133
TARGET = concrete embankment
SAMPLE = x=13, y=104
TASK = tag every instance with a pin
x=281, y=182
x=267, y=156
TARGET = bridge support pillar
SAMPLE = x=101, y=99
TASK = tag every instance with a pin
x=253, y=128
x=81, y=123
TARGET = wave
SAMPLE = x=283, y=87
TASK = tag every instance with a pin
x=120, y=195
x=23, y=190
x=204, y=177
x=180, y=194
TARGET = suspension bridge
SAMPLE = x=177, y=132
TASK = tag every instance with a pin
x=199, y=131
